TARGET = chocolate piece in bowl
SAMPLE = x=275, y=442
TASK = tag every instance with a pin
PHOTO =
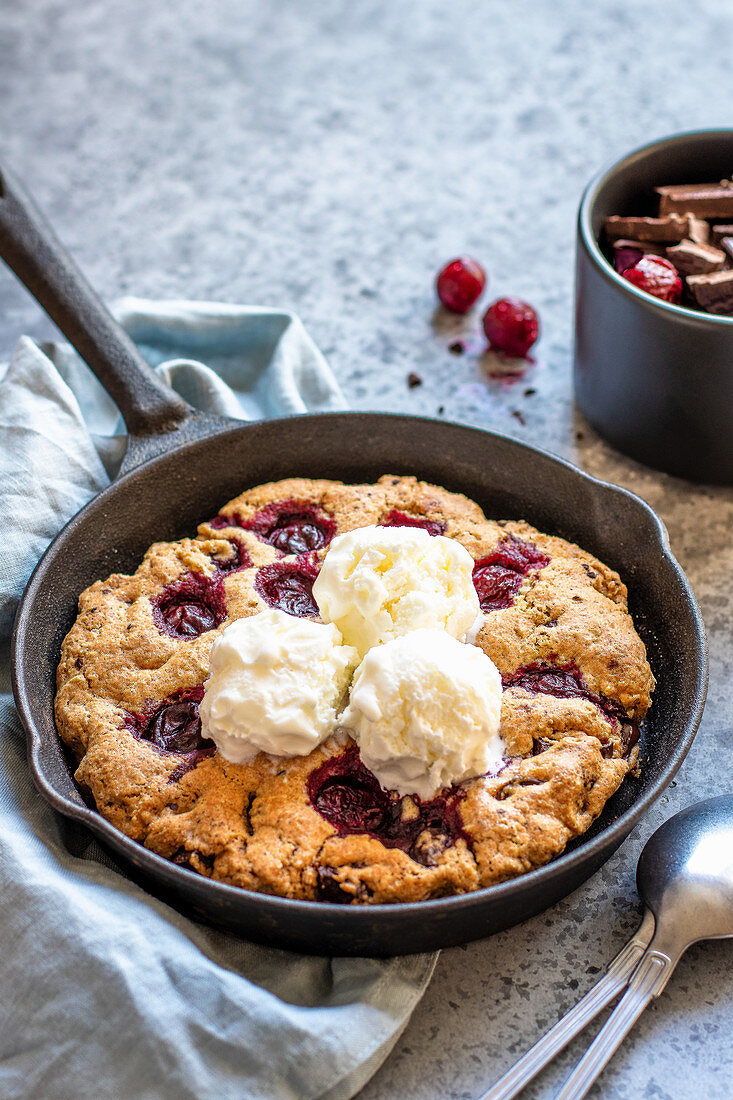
x=655, y=403
x=695, y=259
x=705, y=200
x=726, y=244
x=714, y=292
x=693, y=254
x=673, y=227
x=699, y=230
x=718, y=232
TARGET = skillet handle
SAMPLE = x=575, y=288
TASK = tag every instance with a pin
x=31, y=249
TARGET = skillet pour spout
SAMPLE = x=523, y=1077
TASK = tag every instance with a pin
x=193, y=464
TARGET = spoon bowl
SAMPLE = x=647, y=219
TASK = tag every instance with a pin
x=685, y=879
x=685, y=874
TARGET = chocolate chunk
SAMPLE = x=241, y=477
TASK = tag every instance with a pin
x=329, y=887
x=713, y=292
x=695, y=259
x=706, y=200
x=674, y=227
x=699, y=230
x=649, y=248
x=720, y=231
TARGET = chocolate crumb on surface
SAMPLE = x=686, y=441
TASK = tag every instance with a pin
x=456, y=348
x=413, y=380
x=519, y=416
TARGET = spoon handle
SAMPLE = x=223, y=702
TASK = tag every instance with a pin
x=602, y=993
x=648, y=981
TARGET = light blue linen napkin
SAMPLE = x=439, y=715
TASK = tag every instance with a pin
x=105, y=991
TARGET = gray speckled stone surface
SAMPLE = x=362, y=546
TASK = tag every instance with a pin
x=329, y=157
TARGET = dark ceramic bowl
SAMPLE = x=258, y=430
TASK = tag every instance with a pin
x=656, y=380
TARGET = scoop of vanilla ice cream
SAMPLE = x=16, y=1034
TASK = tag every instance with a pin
x=276, y=684
x=425, y=711
x=377, y=583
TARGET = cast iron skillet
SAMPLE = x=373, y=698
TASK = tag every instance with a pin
x=181, y=466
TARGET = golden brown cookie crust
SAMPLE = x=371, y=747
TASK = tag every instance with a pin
x=255, y=825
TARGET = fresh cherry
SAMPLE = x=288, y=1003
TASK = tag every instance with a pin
x=511, y=326
x=288, y=585
x=624, y=258
x=657, y=277
x=460, y=283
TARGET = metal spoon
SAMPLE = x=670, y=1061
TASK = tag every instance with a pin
x=685, y=878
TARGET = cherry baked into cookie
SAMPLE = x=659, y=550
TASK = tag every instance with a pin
x=355, y=693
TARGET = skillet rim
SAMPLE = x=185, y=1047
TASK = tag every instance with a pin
x=610, y=837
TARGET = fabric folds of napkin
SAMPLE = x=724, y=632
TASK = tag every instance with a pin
x=105, y=991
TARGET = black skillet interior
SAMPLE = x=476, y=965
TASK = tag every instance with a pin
x=167, y=497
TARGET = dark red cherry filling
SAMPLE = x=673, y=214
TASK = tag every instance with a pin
x=566, y=682
x=174, y=725
x=196, y=603
x=402, y=519
x=220, y=522
x=189, y=606
x=288, y=585
x=239, y=559
x=291, y=526
x=350, y=798
x=498, y=577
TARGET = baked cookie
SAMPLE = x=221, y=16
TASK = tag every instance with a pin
x=576, y=686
